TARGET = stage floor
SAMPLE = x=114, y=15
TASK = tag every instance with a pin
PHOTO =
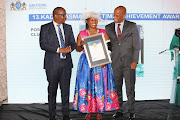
x=145, y=110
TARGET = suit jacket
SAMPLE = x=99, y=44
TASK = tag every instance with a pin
x=128, y=46
x=49, y=42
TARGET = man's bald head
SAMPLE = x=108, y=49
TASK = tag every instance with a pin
x=119, y=14
x=122, y=8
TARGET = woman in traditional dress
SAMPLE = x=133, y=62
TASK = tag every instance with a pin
x=95, y=90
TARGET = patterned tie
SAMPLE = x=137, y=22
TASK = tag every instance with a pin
x=119, y=32
x=61, y=39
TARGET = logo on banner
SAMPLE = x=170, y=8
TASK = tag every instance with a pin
x=18, y=6
x=33, y=6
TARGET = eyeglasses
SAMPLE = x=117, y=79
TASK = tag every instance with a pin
x=62, y=14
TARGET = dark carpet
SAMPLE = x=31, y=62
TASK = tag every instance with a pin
x=145, y=110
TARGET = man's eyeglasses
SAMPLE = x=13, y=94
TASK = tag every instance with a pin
x=62, y=14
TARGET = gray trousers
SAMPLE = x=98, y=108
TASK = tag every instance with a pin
x=122, y=68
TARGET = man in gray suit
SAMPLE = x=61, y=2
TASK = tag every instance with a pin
x=124, y=39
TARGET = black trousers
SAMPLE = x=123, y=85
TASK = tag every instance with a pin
x=62, y=77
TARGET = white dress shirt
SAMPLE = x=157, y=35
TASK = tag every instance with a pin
x=121, y=27
x=57, y=32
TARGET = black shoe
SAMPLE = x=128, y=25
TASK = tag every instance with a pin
x=132, y=116
x=117, y=115
x=52, y=118
x=66, y=117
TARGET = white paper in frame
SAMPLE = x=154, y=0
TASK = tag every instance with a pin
x=91, y=39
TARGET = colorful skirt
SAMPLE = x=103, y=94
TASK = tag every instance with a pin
x=95, y=89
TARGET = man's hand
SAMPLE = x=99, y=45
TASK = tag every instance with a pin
x=65, y=50
x=133, y=65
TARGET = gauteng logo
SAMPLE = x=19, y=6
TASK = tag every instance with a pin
x=18, y=6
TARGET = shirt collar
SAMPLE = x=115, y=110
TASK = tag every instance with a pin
x=122, y=23
x=55, y=24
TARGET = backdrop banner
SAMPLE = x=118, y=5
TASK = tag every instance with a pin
x=156, y=21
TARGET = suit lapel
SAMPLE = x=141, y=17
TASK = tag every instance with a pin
x=113, y=31
x=53, y=31
x=65, y=33
x=125, y=27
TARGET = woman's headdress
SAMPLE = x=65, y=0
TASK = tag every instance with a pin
x=87, y=14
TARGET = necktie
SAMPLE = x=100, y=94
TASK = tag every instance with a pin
x=61, y=39
x=119, y=32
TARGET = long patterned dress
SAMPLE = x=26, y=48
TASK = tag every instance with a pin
x=95, y=89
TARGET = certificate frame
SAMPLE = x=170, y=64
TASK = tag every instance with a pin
x=96, y=50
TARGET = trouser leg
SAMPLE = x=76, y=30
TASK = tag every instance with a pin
x=130, y=76
x=118, y=76
x=52, y=91
x=65, y=88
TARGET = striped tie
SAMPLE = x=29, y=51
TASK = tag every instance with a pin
x=61, y=39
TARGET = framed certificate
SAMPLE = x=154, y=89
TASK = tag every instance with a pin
x=96, y=50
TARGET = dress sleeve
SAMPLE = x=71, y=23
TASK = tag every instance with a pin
x=174, y=42
x=102, y=31
x=83, y=33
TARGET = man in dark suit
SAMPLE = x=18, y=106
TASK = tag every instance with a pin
x=57, y=40
x=124, y=39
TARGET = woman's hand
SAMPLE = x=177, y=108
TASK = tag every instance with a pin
x=82, y=42
x=103, y=66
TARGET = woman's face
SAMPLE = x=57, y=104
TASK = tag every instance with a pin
x=92, y=22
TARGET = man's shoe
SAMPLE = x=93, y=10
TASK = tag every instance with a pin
x=52, y=118
x=66, y=117
x=132, y=116
x=117, y=115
